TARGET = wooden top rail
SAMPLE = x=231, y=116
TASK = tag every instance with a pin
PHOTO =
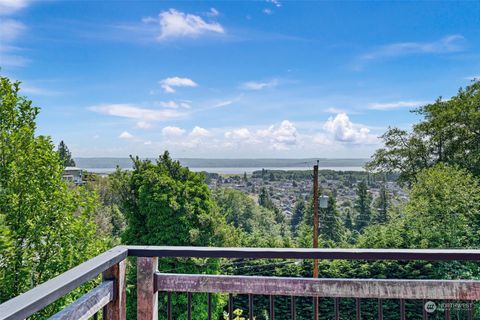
x=41, y=296
x=297, y=253
x=310, y=287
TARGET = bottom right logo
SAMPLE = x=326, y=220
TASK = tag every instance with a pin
x=430, y=306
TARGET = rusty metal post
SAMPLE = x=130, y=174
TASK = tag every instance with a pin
x=147, y=296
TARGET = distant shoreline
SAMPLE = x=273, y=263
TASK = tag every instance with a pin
x=223, y=165
x=233, y=170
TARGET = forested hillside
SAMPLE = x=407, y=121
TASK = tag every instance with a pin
x=49, y=225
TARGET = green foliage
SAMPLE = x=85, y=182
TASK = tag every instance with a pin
x=65, y=155
x=362, y=206
x=298, y=214
x=449, y=133
x=166, y=204
x=47, y=227
x=330, y=224
x=382, y=205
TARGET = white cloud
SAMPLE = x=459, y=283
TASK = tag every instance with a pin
x=242, y=133
x=198, y=132
x=343, y=130
x=125, y=135
x=280, y=137
x=256, y=85
x=134, y=112
x=176, y=24
x=213, y=13
x=147, y=143
x=11, y=30
x=173, y=131
x=174, y=105
x=267, y=11
x=396, y=105
x=168, y=84
x=143, y=125
x=451, y=43
x=276, y=3
x=11, y=6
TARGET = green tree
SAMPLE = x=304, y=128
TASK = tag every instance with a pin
x=298, y=214
x=382, y=204
x=330, y=223
x=167, y=204
x=449, y=133
x=362, y=206
x=65, y=155
x=47, y=227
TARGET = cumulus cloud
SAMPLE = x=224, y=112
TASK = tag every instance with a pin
x=168, y=84
x=344, y=130
x=278, y=137
x=177, y=24
x=125, y=135
x=258, y=85
x=242, y=133
x=134, y=112
x=396, y=105
x=173, y=131
x=198, y=132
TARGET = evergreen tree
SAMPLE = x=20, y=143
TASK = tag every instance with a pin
x=330, y=224
x=349, y=220
x=65, y=155
x=298, y=213
x=382, y=204
x=362, y=206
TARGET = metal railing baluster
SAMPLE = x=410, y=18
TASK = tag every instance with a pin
x=250, y=306
x=272, y=308
x=358, y=312
x=293, y=308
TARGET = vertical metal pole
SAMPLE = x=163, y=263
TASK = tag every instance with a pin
x=189, y=306
x=359, y=310
x=315, y=234
x=209, y=306
x=380, y=309
x=230, y=306
x=447, y=310
x=293, y=308
x=169, y=306
x=250, y=306
x=272, y=308
x=337, y=308
x=402, y=309
x=424, y=312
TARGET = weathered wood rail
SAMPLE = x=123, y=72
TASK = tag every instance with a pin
x=109, y=297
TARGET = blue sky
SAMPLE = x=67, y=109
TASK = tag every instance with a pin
x=234, y=79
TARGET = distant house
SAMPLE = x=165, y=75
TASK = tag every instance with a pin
x=73, y=174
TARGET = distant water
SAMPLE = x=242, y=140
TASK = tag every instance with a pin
x=231, y=170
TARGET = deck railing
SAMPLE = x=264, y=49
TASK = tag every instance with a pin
x=110, y=296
